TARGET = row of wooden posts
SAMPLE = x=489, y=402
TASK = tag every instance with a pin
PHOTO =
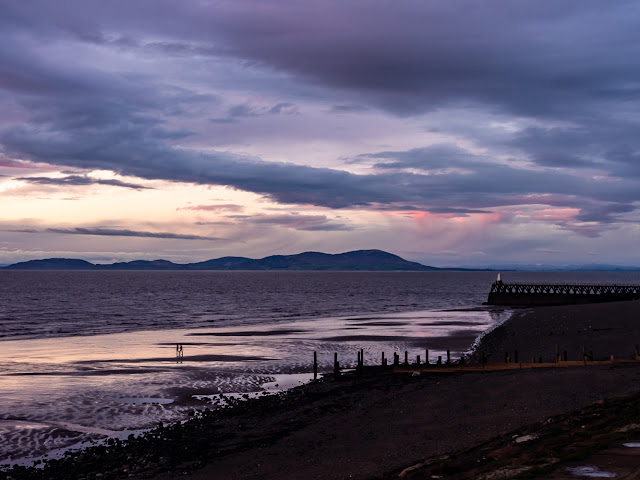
x=384, y=363
x=586, y=357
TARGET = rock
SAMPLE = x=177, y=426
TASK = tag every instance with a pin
x=525, y=438
x=408, y=470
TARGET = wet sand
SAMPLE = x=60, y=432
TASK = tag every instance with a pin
x=81, y=380
x=369, y=427
x=378, y=424
x=603, y=329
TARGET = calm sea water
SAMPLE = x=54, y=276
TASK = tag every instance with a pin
x=63, y=303
x=87, y=355
x=57, y=303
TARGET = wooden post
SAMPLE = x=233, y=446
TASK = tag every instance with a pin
x=418, y=360
x=336, y=365
x=448, y=356
x=383, y=359
x=362, y=357
x=315, y=365
x=439, y=360
x=406, y=357
x=426, y=357
x=515, y=357
x=396, y=359
x=636, y=352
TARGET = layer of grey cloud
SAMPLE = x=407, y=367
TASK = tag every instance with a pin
x=79, y=180
x=310, y=223
x=113, y=232
x=216, y=208
x=529, y=58
x=480, y=186
x=245, y=110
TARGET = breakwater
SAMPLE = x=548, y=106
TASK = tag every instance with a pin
x=532, y=294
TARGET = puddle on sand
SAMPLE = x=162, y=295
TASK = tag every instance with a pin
x=284, y=382
x=280, y=383
x=38, y=461
x=589, y=471
x=632, y=444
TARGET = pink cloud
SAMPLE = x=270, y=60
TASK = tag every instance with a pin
x=19, y=164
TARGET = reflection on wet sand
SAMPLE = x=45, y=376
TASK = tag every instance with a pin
x=88, y=377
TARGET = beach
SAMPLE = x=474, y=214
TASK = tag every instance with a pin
x=379, y=423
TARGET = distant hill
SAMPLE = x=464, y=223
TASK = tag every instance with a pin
x=53, y=264
x=360, y=260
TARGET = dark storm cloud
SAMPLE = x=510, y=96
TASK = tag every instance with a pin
x=246, y=110
x=348, y=108
x=527, y=57
x=435, y=157
x=78, y=180
x=565, y=64
x=112, y=232
x=604, y=213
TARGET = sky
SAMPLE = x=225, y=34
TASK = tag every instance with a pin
x=452, y=133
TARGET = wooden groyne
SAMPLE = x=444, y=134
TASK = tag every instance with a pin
x=461, y=365
x=538, y=294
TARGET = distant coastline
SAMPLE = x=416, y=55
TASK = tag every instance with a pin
x=359, y=260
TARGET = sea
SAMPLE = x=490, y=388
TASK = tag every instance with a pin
x=88, y=356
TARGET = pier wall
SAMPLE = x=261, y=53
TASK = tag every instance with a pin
x=538, y=295
x=551, y=299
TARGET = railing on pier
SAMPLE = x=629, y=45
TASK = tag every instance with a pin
x=558, y=294
x=562, y=289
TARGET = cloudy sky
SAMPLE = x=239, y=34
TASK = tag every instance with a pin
x=450, y=133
